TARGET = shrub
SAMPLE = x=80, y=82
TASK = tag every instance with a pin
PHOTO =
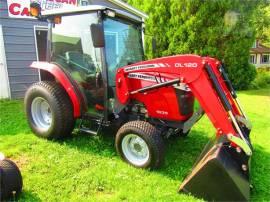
x=264, y=68
x=241, y=75
x=222, y=29
x=262, y=80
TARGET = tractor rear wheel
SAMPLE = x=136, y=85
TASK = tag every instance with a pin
x=49, y=110
x=140, y=144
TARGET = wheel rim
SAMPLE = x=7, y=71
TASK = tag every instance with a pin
x=135, y=149
x=41, y=113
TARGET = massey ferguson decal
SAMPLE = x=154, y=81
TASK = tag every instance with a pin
x=141, y=76
x=156, y=65
x=146, y=77
x=156, y=79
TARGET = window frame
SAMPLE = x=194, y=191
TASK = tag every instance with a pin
x=124, y=21
x=262, y=58
x=254, y=58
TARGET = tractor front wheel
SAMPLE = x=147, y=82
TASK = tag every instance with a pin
x=140, y=144
x=49, y=110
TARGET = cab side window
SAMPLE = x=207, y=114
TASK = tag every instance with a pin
x=72, y=47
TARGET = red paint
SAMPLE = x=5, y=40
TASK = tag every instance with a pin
x=64, y=81
x=99, y=107
x=17, y=9
x=14, y=8
x=74, y=2
x=162, y=103
x=25, y=12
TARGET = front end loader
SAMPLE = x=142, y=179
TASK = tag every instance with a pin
x=95, y=72
x=221, y=173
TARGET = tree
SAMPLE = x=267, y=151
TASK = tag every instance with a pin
x=220, y=28
x=261, y=20
x=156, y=25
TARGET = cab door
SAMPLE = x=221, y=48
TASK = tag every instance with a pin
x=73, y=50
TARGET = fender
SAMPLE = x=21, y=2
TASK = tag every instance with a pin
x=60, y=76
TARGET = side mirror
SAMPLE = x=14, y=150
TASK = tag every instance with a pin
x=97, y=35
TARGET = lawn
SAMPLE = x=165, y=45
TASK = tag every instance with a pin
x=87, y=168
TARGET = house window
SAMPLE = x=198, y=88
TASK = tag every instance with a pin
x=265, y=58
x=252, y=59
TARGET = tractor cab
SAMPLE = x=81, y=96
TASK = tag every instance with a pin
x=90, y=43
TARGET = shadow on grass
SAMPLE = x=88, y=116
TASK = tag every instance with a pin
x=180, y=154
x=28, y=196
x=260, y=174
x=102, y=144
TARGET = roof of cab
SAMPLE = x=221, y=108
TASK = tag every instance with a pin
x=94, y=8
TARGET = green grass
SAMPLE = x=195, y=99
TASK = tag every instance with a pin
x=86, y=168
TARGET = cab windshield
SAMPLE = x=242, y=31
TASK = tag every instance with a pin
x=123, y=45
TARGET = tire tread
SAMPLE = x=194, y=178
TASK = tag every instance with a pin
x=66, y=122
x=11, y=179
x=150, y=133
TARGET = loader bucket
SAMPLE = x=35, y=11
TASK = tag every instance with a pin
x=220, y=174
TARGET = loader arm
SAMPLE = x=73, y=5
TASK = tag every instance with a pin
x=202, y=75
x=221, y=173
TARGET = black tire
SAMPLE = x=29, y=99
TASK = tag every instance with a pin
x=61, y=109
x=10, y=180
x=151, y=137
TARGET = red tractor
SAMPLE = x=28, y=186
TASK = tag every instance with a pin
x=95, y=71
